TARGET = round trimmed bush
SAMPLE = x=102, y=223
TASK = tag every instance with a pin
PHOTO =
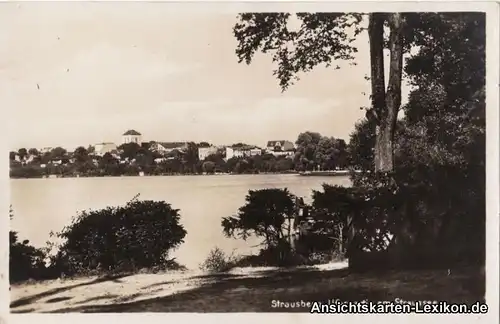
x=136, y=236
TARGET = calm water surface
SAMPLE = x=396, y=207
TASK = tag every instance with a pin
x=45, y=205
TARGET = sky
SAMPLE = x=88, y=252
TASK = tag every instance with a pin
x=84, y=73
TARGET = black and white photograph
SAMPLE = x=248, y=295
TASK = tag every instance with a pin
x=214, y=158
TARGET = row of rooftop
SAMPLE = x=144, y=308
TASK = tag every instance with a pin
x=276, y=147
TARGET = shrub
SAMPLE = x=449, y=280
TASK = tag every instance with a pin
x=267, y=214
x=218, y=261
x=25, y=261
x=436, y=214
x=26, y=171
x=138, y=235
x=331, y=209
x=208, y=167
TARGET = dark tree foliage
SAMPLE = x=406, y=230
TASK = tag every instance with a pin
x=219, y=162
x=307, y=144
x=327, y=229
x=316, y=151
x=283, y=165
x=22, y=152
x=81, y=154
x=268, y=215
x=138, y=235
x=362, y=145
x=33, y=151
x=130, y=150
x=203, y=144
x=439, y=182
x=321, y=39
x=263, y=215
x=58, y=153
x=209, y=167
x=447, y=107
x=109, y=165
x=28, y=171
x=445, y=138
x=25, y=261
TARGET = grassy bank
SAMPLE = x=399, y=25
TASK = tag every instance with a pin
x=242, y=290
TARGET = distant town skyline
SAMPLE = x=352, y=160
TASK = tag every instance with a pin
x=94, y=70
x=147, y=140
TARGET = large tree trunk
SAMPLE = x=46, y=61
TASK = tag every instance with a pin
x=385, y=104
x=403, y=243
x=378, y=109
x=376, y=114
x=393, y=94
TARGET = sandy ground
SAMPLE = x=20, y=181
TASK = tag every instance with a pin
x=242, y=289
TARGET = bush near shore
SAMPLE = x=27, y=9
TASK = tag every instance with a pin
x=120, y=239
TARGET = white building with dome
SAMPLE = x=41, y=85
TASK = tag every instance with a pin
x=132, y=136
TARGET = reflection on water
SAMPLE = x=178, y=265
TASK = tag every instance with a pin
x=44, y=205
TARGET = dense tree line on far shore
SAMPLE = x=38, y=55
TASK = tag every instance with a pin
x=313, y=152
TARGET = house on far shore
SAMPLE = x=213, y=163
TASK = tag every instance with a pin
x=132, y=136
x=242, y=151
x=45, y=150
x=102, y=148
x=167, y=147
x=204, y=152
x=280, y=148
x=56, y=161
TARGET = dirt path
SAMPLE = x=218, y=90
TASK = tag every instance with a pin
x=243, y=289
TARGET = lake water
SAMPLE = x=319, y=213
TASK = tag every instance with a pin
x=44, y=205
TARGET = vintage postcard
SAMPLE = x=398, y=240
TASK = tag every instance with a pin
x=275, y=159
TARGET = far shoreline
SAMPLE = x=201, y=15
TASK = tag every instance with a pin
x=338, y=173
